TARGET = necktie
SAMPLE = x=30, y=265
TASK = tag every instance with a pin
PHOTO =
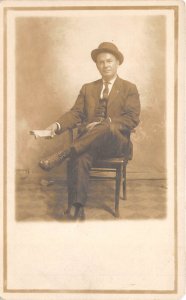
x=106, y=90
x=101, y=110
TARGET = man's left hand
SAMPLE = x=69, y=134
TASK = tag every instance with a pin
x=92, y=125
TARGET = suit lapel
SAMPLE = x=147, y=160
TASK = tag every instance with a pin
x=97, y=92
x=114, y=92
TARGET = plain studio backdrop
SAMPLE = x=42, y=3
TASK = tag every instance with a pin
x=53, y=61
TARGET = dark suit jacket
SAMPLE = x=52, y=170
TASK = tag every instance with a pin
x=123, y=106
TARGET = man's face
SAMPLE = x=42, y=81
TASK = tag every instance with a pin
x=107, y=65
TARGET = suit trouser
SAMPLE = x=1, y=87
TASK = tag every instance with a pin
x=102, y=141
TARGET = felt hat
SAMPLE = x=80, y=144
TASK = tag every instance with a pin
x=107, y=47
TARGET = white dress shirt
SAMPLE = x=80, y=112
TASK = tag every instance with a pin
x=110, y=85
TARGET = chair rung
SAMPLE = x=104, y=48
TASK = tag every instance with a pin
x=102, y=170
x=102, y=178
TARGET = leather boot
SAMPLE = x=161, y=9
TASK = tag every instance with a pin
x=79, y=213
x=54, y=160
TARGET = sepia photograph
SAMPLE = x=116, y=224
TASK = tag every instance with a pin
x=93, y=164
x=71, y=76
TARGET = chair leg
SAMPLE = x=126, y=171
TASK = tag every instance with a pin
x=70, y=190
x=117, y=190
x=124, y=183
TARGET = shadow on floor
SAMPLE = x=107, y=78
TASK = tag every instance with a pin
x=146, y=199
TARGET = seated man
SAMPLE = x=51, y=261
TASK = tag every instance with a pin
x=108, y=109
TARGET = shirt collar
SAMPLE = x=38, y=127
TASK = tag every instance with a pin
x=111, y=81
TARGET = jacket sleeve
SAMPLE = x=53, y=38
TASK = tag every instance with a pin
x=75, y=115
x=129, y=117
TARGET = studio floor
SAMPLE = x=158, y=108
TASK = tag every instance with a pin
x=36, y=201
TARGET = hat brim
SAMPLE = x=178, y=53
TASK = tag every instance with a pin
x=117, y=54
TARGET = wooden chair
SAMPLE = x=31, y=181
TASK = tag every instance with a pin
x=115, y=166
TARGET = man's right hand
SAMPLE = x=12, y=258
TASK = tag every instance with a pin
x=53, y=128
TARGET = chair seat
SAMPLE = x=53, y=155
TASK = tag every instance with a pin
x=113, y=162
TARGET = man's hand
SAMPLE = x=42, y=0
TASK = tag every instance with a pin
x=91, y=125
x=53, y=128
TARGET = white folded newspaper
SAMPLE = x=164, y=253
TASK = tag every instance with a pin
x=42, y=133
